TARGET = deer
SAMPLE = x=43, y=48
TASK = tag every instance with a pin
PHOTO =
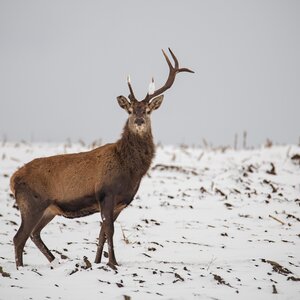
x=105, y=179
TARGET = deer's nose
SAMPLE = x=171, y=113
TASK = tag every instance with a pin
x=139, y=121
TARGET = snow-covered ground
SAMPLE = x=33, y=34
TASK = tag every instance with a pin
x=205, y=224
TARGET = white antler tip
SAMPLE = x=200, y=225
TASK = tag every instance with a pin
x=128, y=79
x=151, y=87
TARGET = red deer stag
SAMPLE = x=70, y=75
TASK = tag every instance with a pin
x=103, y=180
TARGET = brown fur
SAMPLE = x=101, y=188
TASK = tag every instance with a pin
x=75, y=185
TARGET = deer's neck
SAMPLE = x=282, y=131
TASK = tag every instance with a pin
x=136, y=151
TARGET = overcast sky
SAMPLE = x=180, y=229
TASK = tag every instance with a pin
x=62, y=64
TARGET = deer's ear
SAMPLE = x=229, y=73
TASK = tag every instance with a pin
x=124, y=103
x=155, y=103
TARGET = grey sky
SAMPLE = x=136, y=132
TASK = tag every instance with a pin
x=62, y=64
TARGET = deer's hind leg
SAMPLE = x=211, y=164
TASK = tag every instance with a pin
x=27, y=224
x=36, y=235
x=31, y=213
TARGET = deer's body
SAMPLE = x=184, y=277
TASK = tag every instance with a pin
x=74, y=185
x=103, y=180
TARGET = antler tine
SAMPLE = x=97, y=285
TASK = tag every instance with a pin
x=174, y=58
x=167, y=59
x=177, y=64
x=173, y=70
x=185, y=70
x=131, y=95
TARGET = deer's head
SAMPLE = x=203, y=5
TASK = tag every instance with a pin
x=140, y=111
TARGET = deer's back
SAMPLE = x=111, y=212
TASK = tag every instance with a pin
x=67, y=176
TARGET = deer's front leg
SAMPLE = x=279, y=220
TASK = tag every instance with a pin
x=101, y=242
x=107, y=232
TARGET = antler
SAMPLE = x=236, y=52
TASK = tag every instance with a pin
x=172, y=74
x=131, y=95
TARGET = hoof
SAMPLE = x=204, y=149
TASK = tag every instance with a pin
x=18, y=265
x=54, y=263
x=112, y=266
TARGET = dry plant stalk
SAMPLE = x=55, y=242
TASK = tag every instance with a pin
x=274, y=218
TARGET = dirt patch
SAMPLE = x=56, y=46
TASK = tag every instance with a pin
x=293, y=278
x=221, y=280
x=161, y=167
x=3, y=273
x=296, y=159
x=277, y=267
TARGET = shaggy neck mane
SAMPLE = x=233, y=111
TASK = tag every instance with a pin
x=136, y=151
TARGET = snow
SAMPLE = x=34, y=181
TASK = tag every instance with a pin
x=205, y=224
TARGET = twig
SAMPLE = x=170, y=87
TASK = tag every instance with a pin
x=124, y=237
x=274, y=289
x=205, y=143
x=245, y=139
x=200, y=156
x=288, y=152
x=213, y=259
x=235, y=141
x=282, y=223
